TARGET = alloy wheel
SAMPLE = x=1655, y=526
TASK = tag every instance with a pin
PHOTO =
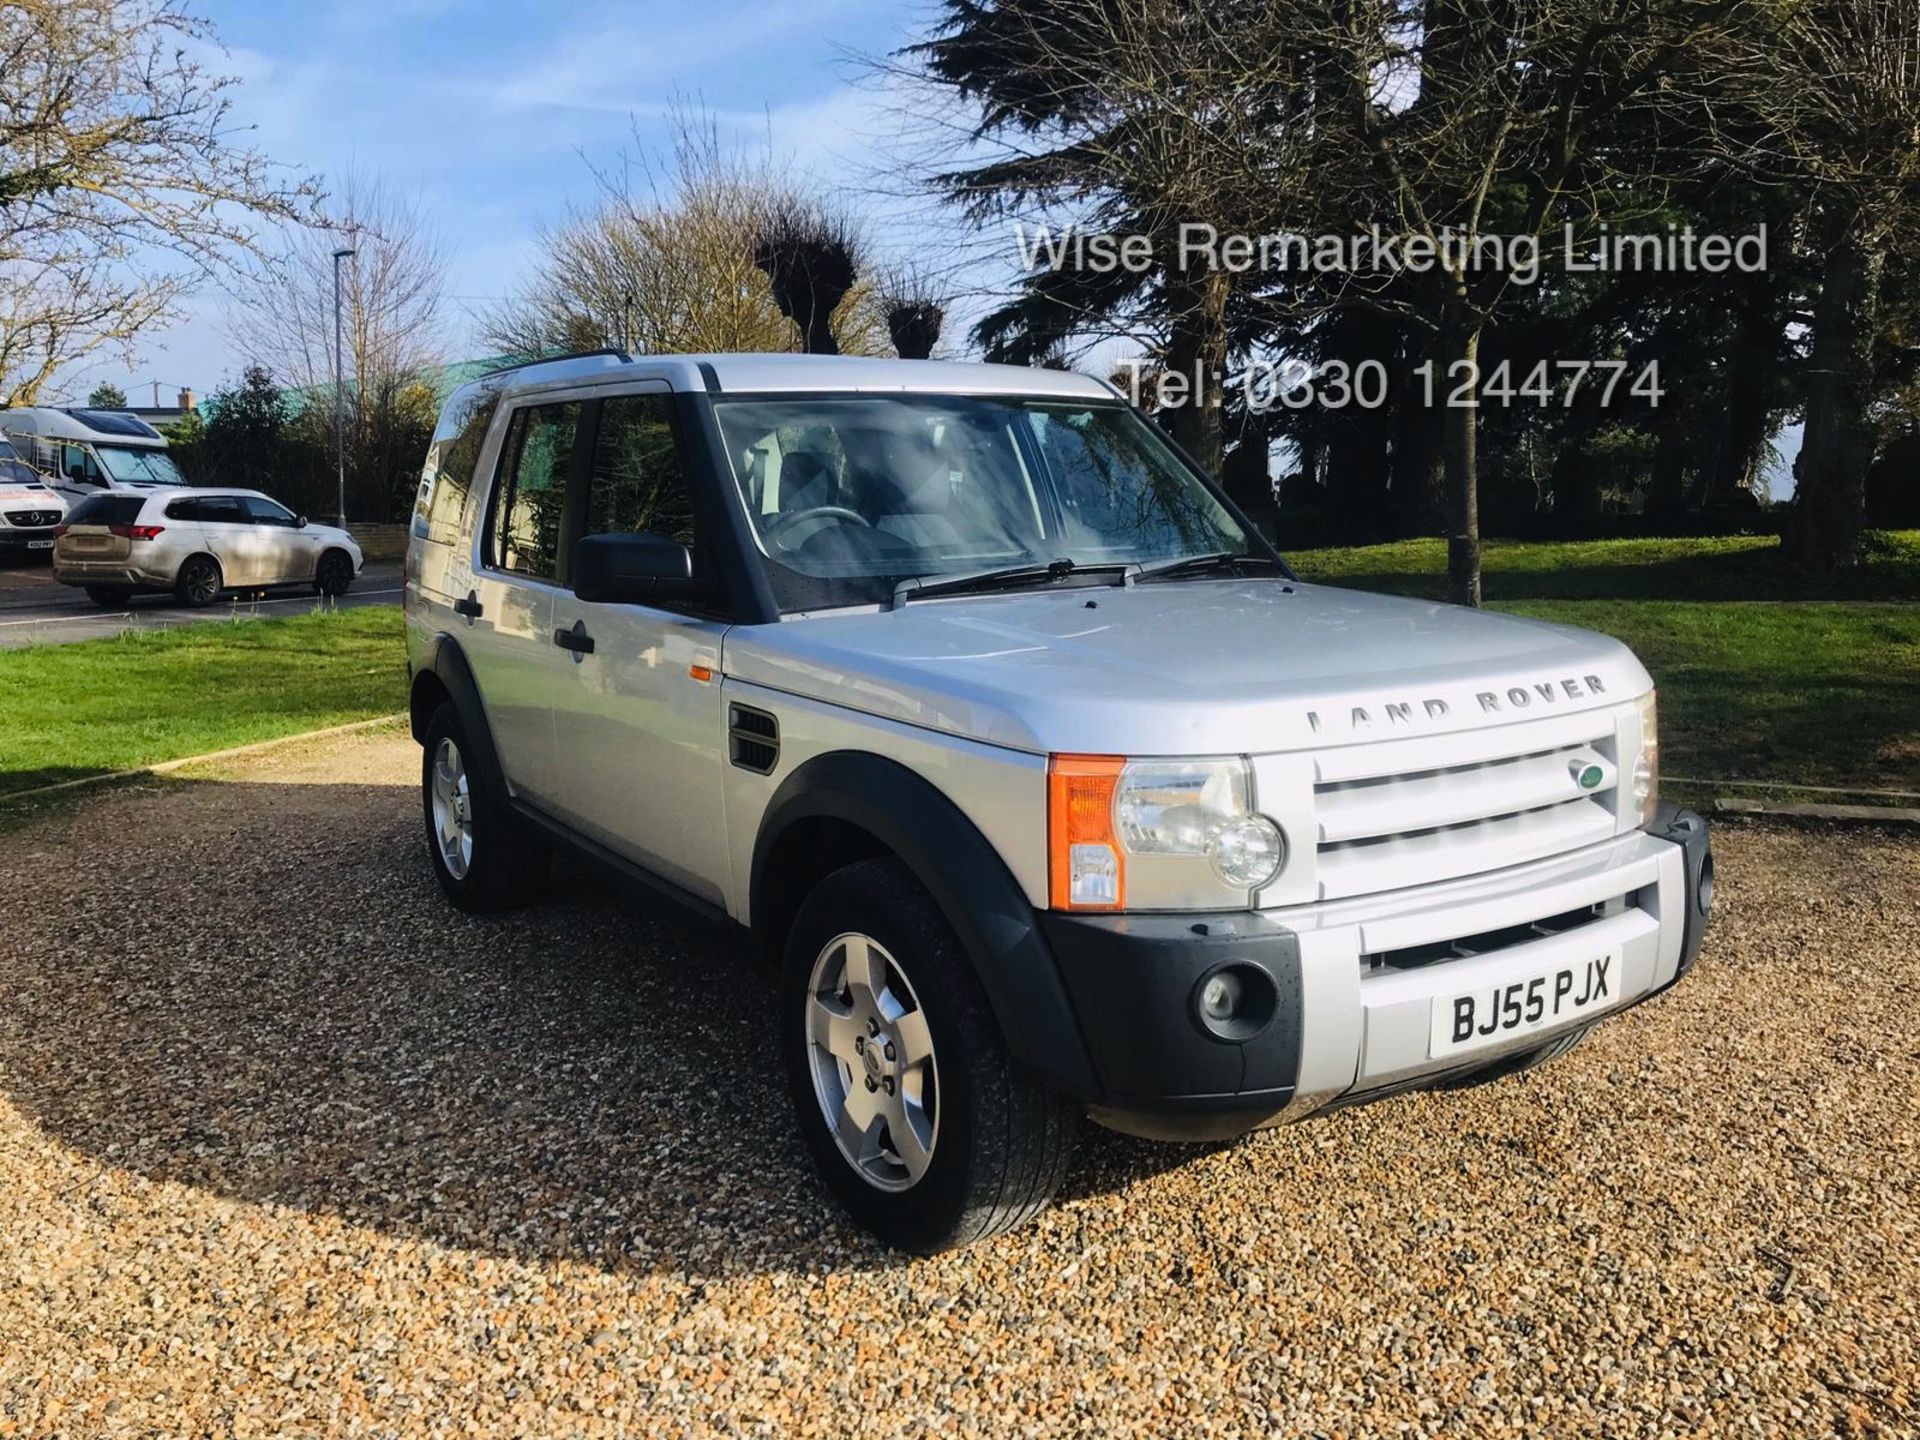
x=452, y=809
x=203, y=584
x=871, y=1055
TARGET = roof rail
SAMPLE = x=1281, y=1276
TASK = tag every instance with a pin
x=621, y=355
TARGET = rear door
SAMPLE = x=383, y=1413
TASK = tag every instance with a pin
x=284, y=551
x=228, y=533
x=516, y=576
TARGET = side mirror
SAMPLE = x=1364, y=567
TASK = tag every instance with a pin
x=299, y=522
x=642, y=569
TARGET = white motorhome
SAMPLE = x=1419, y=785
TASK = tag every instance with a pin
x=87, y=451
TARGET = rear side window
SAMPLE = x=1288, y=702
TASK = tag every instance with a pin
x=182, y=510
x=220, y=510
x=107, y=510
x=452, y=459
x=523, y=528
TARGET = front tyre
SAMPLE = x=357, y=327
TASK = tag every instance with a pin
x=483, y=858
x=333, y=575
x=919, y=1120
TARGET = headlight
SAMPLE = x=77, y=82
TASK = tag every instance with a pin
x=1169, y=834
x=1646, y=761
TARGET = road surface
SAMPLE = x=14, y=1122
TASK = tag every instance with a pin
x=35, y=610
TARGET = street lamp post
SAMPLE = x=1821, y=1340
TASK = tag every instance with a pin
x=339, y=391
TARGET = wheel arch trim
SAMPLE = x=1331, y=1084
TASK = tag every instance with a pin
x=446, y=663
x=969, y=882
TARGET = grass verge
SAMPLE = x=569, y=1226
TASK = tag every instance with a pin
x=1728, y=568
x=1765, y=673
x=70, y=711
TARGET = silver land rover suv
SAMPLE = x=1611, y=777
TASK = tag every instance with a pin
x=1044, y=786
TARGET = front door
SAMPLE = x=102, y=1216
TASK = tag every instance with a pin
x=509, y=642
x=284, y=551
x=639, y=723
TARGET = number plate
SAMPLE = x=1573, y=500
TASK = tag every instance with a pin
x=39, y=544
x=1493, y=1014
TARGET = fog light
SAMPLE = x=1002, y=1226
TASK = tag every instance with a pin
x=1220, y=996
x=1235, y=1002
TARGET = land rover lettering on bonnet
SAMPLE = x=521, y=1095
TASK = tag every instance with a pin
x=1042, y=785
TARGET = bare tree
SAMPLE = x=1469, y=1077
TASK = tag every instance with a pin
x=664, y=261
x=121, y=183
x=391, y=299
x=1459, y=122
x=1830, y=100
x=392, y=292
x=914, y=307
x=812, y=257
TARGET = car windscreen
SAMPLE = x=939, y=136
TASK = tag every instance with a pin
x=849, y=495
x=129, y=465
x=106, y=510
x=17, y=472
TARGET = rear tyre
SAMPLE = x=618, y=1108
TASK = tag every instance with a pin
x=108, y=597
x=920, y=1122
x=483, y=857
x=334, y=574
x=198, y=583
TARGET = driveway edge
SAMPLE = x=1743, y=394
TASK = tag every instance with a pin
x=163, y=767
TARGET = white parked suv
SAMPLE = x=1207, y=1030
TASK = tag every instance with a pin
x=197, y=543
x=1040, y=780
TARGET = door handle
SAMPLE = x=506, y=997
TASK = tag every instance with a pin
x=469, y=607
x=577, y=639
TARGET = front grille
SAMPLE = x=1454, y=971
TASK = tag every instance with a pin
x=1516, y=794
x=33, y=519
x=1465, y=947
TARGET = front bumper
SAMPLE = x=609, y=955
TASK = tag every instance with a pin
x=22, y=537
x=1354, y=983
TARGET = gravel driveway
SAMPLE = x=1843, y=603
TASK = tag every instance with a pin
x=289, y=1147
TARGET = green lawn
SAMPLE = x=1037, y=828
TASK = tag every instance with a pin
x=1734, y=567
x=1762, y=676
x=68, y=711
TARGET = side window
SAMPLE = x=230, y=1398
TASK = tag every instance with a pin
x=523, y=528
x=184, y=510
x=221, y=510
x=452, y=461
x=80, y=465
x=266, y=512
x=638, y=482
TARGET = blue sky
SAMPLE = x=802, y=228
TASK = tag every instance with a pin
x=483, y=109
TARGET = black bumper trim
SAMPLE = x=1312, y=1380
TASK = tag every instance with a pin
x=1688, y=830
x=1131, y=980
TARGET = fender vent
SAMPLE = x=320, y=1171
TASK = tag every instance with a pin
x=753, y=739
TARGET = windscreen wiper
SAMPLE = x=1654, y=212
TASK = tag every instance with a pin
x=1197, y=564
x=1004, y=577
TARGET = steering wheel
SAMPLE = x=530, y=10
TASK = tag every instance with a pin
x=778, y=528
